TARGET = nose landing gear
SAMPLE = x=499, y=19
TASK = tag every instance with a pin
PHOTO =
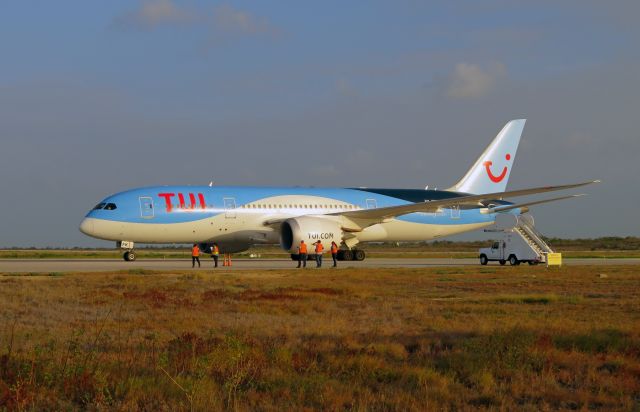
x=129, y=254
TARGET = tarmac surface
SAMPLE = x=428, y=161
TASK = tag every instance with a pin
x=113, y=265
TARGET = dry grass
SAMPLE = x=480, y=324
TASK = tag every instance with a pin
x=504, y=338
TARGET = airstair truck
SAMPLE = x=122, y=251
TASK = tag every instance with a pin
x=518, y=242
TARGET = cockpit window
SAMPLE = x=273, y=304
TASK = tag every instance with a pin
x=99, y=206
x=110, y=206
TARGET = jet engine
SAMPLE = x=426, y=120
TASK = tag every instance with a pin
x=309, y=229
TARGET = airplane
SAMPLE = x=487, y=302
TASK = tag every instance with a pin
x=238, y=217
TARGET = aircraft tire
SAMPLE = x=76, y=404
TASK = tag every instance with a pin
x=359, y=255
x=129, y=256
x=483, y=260
x=347, y=254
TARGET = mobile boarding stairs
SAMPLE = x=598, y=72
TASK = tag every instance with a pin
x=519, y=242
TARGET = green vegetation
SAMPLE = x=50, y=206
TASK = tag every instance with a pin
x=522, y=338
x=601, y=248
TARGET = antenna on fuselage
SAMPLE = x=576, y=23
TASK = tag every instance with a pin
x=211, y=183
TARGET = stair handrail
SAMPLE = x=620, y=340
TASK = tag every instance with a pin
x=536, y=237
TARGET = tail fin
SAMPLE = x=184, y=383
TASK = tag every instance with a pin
x=490, y=173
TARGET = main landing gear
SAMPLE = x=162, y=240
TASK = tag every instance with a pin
x=351, y=254
x=129, y=255
x=343, y=254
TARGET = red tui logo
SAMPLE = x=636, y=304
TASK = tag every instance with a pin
x=494, y=178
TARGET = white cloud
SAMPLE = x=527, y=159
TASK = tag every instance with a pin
x=153, y=13
x=471, y=81
x=228, y=19
x=224, y=20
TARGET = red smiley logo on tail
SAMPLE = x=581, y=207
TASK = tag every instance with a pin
x=494, y=178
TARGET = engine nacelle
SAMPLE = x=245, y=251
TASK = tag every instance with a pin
x=309, y=229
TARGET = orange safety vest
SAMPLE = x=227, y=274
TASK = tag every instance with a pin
x=195, y=251
x=303, y=248
x=319, y=248
x=334, y=248
x=214, y=250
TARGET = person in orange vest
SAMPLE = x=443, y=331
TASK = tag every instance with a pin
x=334, y=253
x=319, y=249
x=195, y=255
x=215, y=252
x=302, y=254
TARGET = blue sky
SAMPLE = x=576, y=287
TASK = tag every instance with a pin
x=98, y=97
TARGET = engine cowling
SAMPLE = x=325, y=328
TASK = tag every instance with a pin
x=309, y=229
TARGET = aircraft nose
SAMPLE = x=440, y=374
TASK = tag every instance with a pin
x=86, y=226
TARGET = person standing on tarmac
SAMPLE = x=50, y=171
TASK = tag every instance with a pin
x=334, y=253
x=319, y=249
x=195, y=255
x=215, y=252
x=302, y=254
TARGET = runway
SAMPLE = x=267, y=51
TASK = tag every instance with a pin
x=114, y=265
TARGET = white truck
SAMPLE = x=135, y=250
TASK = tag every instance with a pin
x=518, y=242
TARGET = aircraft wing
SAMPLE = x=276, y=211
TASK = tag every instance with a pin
x=504, y=208
x=382, y=213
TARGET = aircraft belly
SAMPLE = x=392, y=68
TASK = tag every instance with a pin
x=401, y=231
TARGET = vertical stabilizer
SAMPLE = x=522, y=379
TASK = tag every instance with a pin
x=490, y=173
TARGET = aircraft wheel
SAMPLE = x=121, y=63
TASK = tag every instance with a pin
x=129, y=256
x=347, y=254
x=513, y=260
x=359, y=255
x=483, y=260
x=502, y=262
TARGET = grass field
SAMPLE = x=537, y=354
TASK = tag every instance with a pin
x=506, y=338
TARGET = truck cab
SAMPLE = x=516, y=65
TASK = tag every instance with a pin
x=495, y=253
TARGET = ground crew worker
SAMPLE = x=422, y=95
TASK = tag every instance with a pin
x=302, y=254
x=195, y=255
x=215, y=252
x=319, y=249
x=334, y=253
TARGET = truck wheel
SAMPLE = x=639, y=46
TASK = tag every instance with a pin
x=502, y=262
x=483, y=260
x=513, y=260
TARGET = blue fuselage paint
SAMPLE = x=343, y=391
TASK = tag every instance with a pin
x=130, y=205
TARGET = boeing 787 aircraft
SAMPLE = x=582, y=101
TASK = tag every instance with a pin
x=238, y=217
